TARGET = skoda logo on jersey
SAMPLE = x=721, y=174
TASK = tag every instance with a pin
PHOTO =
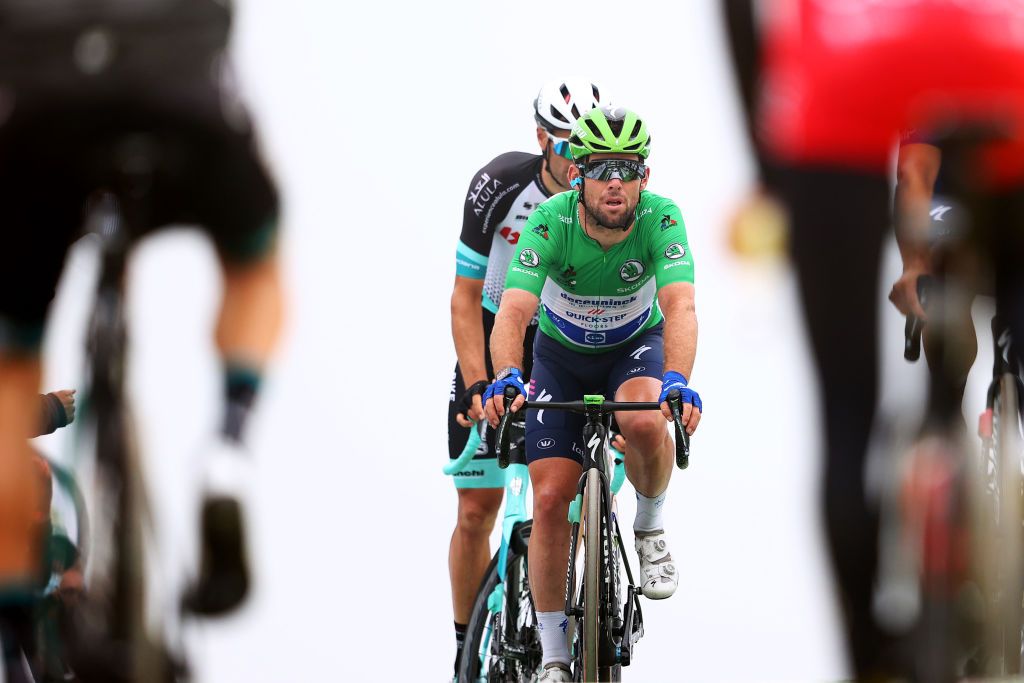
x=529, y=258
x=546, y=444
x=675, y=250
x=595, y=337
x=631, y=270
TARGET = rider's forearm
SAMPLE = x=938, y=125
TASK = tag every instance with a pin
x=917, y=170
x=52, y=415
x=680, y=336
x=468, y=335
x=912, y=203
x=507, y=338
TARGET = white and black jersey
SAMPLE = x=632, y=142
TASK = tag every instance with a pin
x=500, y=199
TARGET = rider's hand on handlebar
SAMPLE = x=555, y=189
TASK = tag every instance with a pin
x=904, y=292
x=471, y=408
x=494, y=399
x=690, y=404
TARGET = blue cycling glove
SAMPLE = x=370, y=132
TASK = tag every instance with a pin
x=514, y=378
x=675, y=380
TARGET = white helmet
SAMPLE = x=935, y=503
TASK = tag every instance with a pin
x=560, y=103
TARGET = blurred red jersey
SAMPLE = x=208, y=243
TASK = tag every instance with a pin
x=843, y=77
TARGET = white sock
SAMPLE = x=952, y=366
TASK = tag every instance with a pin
x=648, y=512
x=552, y=627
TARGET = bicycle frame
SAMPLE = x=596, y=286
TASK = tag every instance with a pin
x=517, y=482
x=595, y=438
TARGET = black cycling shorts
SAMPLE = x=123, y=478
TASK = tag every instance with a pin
x=56, y=151
x=457, y=434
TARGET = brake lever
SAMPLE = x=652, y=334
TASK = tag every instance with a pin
x=682, y=438
x=503, y=435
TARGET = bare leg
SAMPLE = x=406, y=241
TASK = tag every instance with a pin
x=19, y=491
x=470, y=553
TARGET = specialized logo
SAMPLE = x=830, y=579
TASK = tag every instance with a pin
x=529, y=258
x=675, y=250
x=510, y=236
x=541, y=230
x=667, y=222
x=631, y=270
x=939, y=211
x=639, y=352
x=594, y=442
x=637, y=369
x=544, y=396
x=546, y=444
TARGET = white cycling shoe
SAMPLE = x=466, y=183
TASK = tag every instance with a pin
x=660, y=579
x=555, y=671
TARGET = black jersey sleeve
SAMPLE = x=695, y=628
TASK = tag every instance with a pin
x=51, y=415
x=488, y=200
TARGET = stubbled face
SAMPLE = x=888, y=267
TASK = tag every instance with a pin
x=610, y=203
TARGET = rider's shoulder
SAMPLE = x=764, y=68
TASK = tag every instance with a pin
x=653, y=207
x=557, y=212
x=509, y=167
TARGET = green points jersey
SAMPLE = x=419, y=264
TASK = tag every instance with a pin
x=593, y=300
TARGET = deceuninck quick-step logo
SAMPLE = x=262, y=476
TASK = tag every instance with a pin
x=529, y=258
x=631, y=270
x=675, y=250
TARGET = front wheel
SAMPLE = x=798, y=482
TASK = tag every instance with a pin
x=503, y=644
x=592, y=628
x=1008, y=448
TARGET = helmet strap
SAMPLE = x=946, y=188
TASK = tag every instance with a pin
x=547, y=165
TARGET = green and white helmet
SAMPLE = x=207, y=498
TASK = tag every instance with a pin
x=609, y=130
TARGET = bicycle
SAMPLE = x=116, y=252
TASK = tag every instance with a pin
x=501, y=634
x=501, y=637
x=110, y=637
x=970, y=522
x=999, y=427
x=606, y=626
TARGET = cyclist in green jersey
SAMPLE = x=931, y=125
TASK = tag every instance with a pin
x=610, y=265
x=501, y=197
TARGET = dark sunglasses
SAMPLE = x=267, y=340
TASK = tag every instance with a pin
x=609, y=169
x=560, y=146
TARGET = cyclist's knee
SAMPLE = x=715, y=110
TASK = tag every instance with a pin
x=550, y=501
x=478, y=510
x=644, y=431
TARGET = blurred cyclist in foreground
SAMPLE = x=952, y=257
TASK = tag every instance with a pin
x=827, y=88
x=92, y=92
